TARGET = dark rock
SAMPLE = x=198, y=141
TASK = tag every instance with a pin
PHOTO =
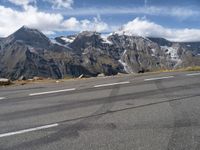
x=28, y=53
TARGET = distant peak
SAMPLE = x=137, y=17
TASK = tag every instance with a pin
x=30, y=36
x=89, y=33
x=26, y=28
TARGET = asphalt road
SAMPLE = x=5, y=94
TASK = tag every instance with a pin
x=149, y=112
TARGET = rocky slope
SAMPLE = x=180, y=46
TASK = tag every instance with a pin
x=183, y=53
x=28, y=53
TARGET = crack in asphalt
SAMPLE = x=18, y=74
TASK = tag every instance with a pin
x=72, y=131
x=92, y=102
x=181, y=138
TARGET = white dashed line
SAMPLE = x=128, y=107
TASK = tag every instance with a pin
x=110, y=84
x=160, y=78
x=1, y=98
x=51, y=92
x=28, y=130
x=193, y=74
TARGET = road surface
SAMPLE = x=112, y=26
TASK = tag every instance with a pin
x=148, y=112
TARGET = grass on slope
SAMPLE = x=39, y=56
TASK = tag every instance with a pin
x=192, y=68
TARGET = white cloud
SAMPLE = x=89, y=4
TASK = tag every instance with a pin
x=55, y=3
x=61, y=3
x=143, y=27
x=179, y=12
x=19, y=2
x=49, y=23
x=11, y=20
x=72, y=24
x=24, y=3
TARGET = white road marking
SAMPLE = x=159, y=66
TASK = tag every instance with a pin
x=28, y=130
x=159, y=78
x=110, y=84
x=51, y=92
x=1, y=98
x=193, y=74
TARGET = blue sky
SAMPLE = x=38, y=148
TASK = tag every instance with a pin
x=57, y=17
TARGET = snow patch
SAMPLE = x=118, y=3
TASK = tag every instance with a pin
x=31, y=49
x=125, y=65
x=68, y=40
x=105, y=39
x=85, y=53
x=154, y=52
x=63, y=45
x=178, y=63
x=173, y=52
x=55, y=42
x=188, y=45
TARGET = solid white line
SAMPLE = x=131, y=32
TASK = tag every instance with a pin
x=28, y=130
x=193, y=74
x=1, y=98
x=110, y=84
x=160, y=78
x=51, y=92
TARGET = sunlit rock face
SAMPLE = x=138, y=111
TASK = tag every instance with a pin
x=28, y=53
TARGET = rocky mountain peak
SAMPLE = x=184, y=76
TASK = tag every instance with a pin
x=24, y=30
x=29, y=36
x=89, y=33
x=160, y=41
x=86, y=39
x=89, y=54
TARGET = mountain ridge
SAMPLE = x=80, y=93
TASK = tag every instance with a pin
x=28, y=53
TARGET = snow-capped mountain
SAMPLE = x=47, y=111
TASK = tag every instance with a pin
x=28, y=53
